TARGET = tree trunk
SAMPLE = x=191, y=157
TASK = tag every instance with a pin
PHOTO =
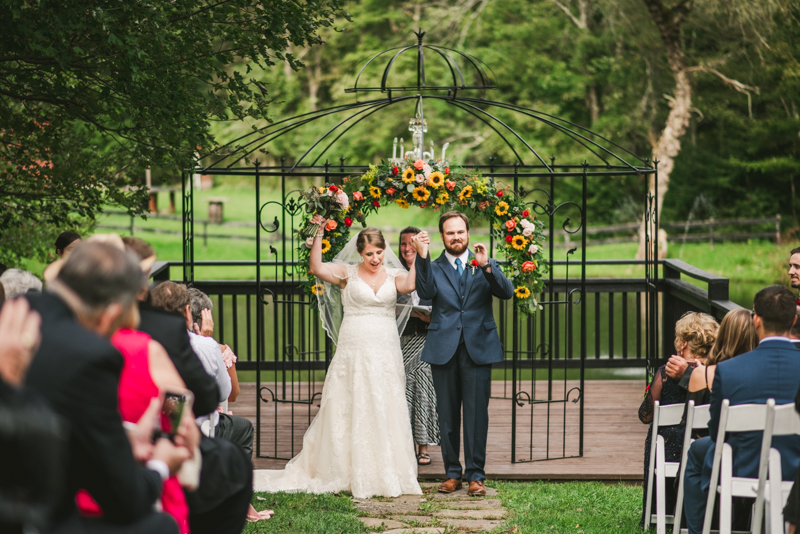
x=668, y=146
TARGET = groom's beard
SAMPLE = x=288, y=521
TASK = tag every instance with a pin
x=457, y=249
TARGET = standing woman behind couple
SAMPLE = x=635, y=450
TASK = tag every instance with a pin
x=360, y=441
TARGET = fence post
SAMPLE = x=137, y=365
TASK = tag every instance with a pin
x=711, y=231
x=205, y=234
x=131, y=226
x=778, y=230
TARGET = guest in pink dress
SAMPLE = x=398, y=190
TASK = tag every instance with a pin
x=146, y=363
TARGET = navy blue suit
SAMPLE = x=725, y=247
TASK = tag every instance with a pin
x=461, y=345
x=771, y=371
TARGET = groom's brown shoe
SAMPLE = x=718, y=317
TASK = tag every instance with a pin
x=450, y=485
x=476, y=489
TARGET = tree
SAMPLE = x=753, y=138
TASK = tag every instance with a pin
x=94, y=91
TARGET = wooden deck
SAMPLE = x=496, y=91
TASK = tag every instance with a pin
x=613, y=435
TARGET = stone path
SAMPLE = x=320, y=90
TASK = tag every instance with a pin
x=432, y=512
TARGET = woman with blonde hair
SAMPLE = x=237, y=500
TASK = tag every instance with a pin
x=695, y=335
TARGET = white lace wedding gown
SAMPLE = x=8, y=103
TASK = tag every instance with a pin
x=361, y=438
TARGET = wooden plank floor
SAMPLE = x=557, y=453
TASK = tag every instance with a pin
x=613, y=435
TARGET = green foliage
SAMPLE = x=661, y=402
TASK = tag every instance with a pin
x=95, y=91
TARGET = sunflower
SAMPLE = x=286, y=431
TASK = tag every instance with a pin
x=318, y=289
x=326, y=246
x=502, y=208
x=442, y=198
x=436, y=180
x=518, y=242
x=402, y=203
x=421, y=194
x=408, y=175
x=374, y=191
x=522, y=292
x=465, y=194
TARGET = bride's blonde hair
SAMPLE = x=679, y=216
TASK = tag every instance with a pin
x=370, y=236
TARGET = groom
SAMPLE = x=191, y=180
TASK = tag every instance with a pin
x=462, y=343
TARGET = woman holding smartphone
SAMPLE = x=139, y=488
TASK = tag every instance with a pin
x=420, y=394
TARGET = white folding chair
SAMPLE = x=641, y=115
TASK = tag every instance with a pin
x=739, y=418
x=775, y=491
x=668, y=415
x=207, y=428
x=696, y=419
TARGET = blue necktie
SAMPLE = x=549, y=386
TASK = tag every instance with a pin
x=459, y=267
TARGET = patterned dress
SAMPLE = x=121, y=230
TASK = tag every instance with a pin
x=420, y=394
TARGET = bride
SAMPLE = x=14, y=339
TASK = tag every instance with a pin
x=361, y=438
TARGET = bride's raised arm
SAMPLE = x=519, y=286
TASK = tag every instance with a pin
x=332, y=273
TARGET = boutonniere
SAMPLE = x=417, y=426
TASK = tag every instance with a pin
x=474, y=265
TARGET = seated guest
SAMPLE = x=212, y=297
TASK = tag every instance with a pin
x=237, y=429
x=174, y=298
x=770, y=371
x=17, y=282
x=737, y=335
x=695, y=334
x=66, y=242
x=222, y=501
x=77, y=369
x=32, y=438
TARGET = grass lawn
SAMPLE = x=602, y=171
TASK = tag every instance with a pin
x=534, y=507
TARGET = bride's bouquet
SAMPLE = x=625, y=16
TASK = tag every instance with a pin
x=325, y=201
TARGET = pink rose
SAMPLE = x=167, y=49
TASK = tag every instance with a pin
x=420, y=178
x=427, y=169
x=419, y=164
x=510, y=225
x=450, y=185
x=342, y=200
x=527, y=231
x=533, y=249
x=391, y=191
x=357, y=195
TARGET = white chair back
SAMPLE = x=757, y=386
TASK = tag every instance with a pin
x=696, y=419
x=669, y=415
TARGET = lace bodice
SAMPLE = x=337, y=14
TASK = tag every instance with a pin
x=358, y=297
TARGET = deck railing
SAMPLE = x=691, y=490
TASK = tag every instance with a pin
x=615, y=317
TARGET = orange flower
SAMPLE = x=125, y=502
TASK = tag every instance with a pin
x=510, y=225
x=419, y=164
x=331, y=225
x=528, y=267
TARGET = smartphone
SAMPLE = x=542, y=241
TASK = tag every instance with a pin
x=176, y=403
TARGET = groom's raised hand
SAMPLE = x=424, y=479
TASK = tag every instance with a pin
x=481, y=255
x=421, y=242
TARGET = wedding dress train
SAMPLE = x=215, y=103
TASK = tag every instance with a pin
x=361, y=438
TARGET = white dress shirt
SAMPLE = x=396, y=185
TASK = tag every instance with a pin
x=452, y=259
x=207, y=349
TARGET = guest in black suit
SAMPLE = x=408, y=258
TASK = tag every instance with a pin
x=77, y=370
x=221, y=502
x=770, y=371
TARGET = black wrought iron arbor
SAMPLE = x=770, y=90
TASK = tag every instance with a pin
x=292, y=352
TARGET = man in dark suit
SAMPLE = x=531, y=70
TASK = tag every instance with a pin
x=771, y=371
x=462, y=343
x=77, y=370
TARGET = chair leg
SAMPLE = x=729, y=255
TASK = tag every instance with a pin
x=661, y=499
x=725, y=497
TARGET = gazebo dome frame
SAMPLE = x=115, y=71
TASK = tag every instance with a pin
x=609, y=159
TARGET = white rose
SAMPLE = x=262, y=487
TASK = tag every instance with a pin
x=342, y=200
x=427, y=170
x=525, y=223
x=420, y=178
x=527, y=231
x=310, y=242
x=533, y=249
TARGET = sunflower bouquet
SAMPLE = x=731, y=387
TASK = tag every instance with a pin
x=327, y=201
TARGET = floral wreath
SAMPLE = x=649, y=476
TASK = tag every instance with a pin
x=432, y=185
